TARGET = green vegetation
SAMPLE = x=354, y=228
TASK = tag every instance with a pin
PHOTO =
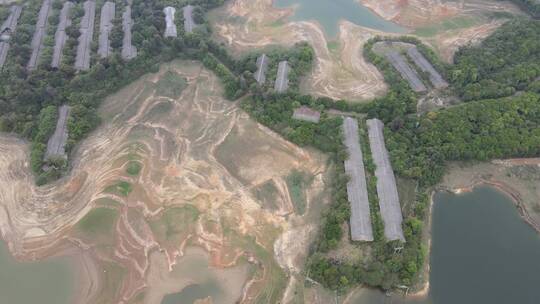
x=481, y=130
x=171, y=85
x=122, y=188
x=505, y=63
x=175, y=223
x=446, y=25
x=267, y=193
x=297, y=182
x=133, y=168
x=98, y=223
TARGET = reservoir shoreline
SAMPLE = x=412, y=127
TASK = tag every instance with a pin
x=422, y=292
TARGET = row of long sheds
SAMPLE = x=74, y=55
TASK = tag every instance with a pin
x=282, y=78
x=407, y=72
x=86, y=29
x=170, y=24
x=357, y=192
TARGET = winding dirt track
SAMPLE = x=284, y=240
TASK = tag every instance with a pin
x=196, y=150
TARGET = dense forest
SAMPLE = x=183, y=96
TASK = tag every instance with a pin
x=505, y=63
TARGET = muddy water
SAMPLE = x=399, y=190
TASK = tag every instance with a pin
x=192, y=278
x=482, y=253
x=329, y=12
x=45, y=282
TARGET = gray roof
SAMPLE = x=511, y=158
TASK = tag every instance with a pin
x=105, y=28
x=360, y=221
x=421, y=61
x=189, y=23
x=129, y=51
x=282, y=78
x=82, y=60
x=410, y=75
x=170, y=29
x=60, y=36
x=10, y=23
x=57, y=142
x=262, y=66
x=386, y=183
x=39, y=34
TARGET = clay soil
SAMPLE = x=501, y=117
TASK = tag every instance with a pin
x=195, y=188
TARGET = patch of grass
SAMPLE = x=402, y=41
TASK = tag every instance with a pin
x=122, y=188
x=297, y=182
x=333, y=45
x=277, y=23
x=407, y=194
x=171, y=85
x=447, y=25
x=175, y=223
x=98, y=223
x=133, y=168
x=106, y=202
x=267, y=194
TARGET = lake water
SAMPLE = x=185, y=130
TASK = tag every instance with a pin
x=329, y=12
x=45, y=282
x=482, y=253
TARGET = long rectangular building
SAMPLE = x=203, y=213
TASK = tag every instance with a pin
x=262, y=66
x=282, y=78
x=8, y=27
x=189, y=23
x=82, y=60
x=421, y=61
x=39, y=34
x=410, y=75
x=105, y=28
x=360, y=221
x=129, y=51
x=57, y=142
x=60, y=37
x=170, y=28
x=386, y=183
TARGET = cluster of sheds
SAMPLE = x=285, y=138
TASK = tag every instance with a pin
x=399, y=62
x=86, y=29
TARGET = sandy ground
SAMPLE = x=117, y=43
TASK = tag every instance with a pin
x=340, y=72
x=189, y=157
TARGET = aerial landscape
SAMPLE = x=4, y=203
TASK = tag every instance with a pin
x=269, y=151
